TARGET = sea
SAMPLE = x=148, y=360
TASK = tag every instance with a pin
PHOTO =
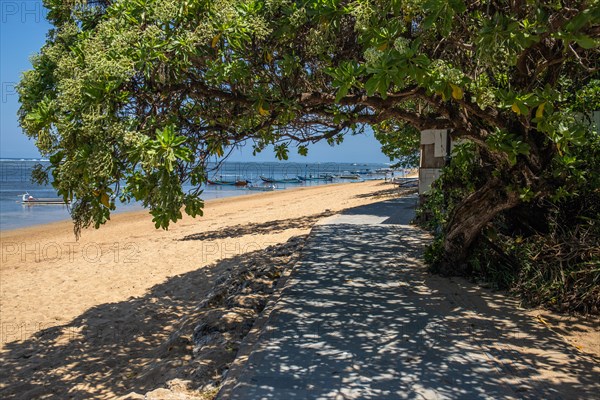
x=15, y=180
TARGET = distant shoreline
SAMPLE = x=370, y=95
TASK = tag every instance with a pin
x=144, y=213
x=15, y=178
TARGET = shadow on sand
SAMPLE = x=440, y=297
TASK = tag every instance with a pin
x=264, y=228
x=393, y=191
x=115, y=349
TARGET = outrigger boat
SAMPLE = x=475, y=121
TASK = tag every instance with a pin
x=271, y=180
x=362, y=172
x=349, y=176
x=383, y=170
x=315, y=178
x=265, y=188
x=328, y=176
x=227, y=183
x=29, y=199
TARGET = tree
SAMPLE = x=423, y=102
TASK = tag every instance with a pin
x=133, y=97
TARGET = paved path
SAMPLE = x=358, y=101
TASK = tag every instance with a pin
x=361, y=319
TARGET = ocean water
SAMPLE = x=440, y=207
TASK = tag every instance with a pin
x=15, y=179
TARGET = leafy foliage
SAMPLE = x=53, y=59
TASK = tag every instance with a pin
x=546, y=250
x=131, y=98
x=400, y=142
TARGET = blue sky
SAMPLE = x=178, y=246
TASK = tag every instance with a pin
x=22, y=32
x=23, y=29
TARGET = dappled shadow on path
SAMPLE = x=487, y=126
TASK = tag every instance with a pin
x=361, y=318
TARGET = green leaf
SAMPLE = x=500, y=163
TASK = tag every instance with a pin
x=303, y=150
x=341, y=93
x=371, y=85
x=458, y=5
x=586, y=42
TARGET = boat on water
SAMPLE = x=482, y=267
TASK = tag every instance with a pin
x=272, y=180
x=29, y=199
x=222, y=182
x=327, y=177
x=315, y=178
x=349, y=176
x=261, y=188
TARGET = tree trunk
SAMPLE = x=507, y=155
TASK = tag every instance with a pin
x=467, y=220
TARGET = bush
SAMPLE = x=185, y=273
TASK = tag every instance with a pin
x=545, y=251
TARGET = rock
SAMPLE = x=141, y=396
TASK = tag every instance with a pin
x=206, y=341
x=132, y=396
x=167, y=394
x=252, y=301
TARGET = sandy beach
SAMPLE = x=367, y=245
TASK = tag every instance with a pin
x=87, y=317
x=49, y=278
x=113, y=280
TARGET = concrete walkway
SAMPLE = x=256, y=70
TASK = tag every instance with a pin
x=360, y=318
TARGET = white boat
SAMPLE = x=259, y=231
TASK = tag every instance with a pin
x=328, y=176
x=263, y=188
x=29, y=199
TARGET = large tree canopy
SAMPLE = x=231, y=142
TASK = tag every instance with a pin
x=132, y=97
